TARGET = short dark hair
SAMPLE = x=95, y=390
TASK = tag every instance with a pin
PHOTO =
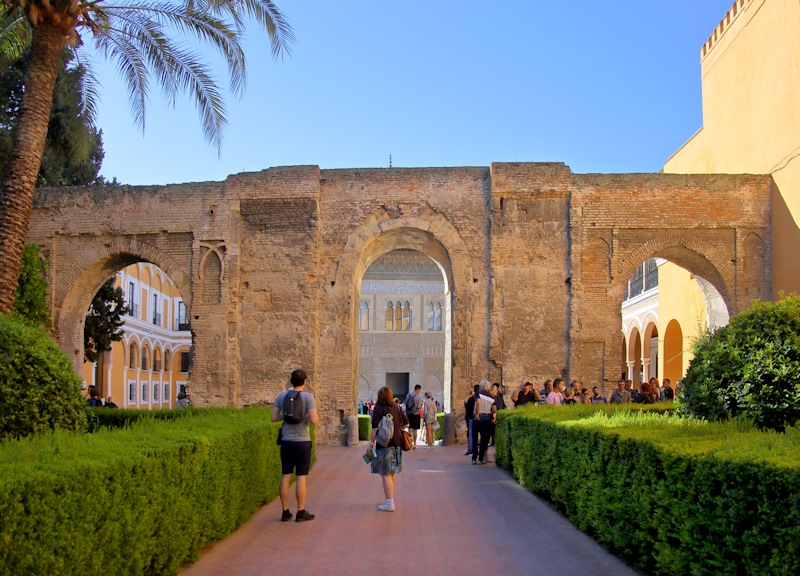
x=298, y=378
x=476, y=387
x=418, y=387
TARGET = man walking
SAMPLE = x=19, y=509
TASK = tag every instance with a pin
x=414, y=402
x=295, y=442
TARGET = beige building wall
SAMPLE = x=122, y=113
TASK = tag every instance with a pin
x=751, y=116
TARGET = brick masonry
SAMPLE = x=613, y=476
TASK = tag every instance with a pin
x=536, y=260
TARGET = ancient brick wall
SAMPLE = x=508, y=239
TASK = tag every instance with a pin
x=535, y=260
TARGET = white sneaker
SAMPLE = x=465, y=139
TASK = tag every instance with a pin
x=386, y=507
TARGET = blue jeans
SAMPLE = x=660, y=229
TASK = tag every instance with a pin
x=480, y=438
x=470, y=434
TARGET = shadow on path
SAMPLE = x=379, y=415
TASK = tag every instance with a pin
x=452, y=518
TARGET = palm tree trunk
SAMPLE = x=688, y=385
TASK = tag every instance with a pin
x=16, y=200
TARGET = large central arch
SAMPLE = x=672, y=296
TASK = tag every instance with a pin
x=429, y=232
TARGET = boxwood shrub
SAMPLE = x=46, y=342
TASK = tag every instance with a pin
x=39, y=389
x=670, y=495
x=364, y=426
x=144, y=499
x=749, y=369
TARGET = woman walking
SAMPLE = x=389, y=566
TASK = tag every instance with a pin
x=389, y=460
x=429, y=415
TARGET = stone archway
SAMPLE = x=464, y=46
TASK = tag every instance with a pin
x=429, y=232
x=77, y=285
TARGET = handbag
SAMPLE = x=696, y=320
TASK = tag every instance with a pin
x=408, y=441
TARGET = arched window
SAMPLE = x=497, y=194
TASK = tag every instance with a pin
x=431, y=317
x=167, y=360
x=156, y=360
x=145, y=363
x=398, y=316
x=133, y=354
x=363, y=318
x=389, y=315
x=437, y=316
x=406, y=316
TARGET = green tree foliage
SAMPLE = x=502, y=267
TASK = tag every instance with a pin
x=104, y=321
x=39, y=389
x=749, y=369
x=30, y=305
x=73, y=150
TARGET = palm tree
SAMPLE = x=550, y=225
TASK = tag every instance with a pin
x=138, y=35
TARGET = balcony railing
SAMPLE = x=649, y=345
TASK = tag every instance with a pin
x=133, y=309
x=157, y=319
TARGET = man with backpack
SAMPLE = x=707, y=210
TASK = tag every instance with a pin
x=297, y=408
x=413, y=402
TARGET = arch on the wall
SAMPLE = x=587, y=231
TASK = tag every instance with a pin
x=76, y=286
x=673, y=352
x=687, y=252
x=634, y=356
x=425, y=231
x=649, y=364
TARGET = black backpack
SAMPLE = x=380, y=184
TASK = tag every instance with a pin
x=294, y=409
x=410, y=403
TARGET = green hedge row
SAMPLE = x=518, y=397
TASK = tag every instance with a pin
x=668, y=494
x=98, y=418
x=144, y=499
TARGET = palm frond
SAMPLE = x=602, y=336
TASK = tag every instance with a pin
x=15, y=36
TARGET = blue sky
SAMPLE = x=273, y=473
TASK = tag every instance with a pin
x=608, y=86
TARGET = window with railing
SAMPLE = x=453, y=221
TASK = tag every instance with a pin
x=156, y=313
x=145, y=362
x=644, y=278
x=133, y=307
x=182, y=322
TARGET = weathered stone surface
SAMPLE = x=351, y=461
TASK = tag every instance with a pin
x=535, y=260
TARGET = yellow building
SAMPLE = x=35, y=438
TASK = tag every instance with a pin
x=750, y=69
x=150, y=365
x=660, y=322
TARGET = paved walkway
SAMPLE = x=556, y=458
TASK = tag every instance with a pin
x=457, y=519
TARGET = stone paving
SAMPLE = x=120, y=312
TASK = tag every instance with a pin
x=451, y=518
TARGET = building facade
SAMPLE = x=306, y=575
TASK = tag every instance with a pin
x=150, y=365
x=403, y=319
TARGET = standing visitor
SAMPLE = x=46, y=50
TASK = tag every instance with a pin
x=485, y=415
x=556, y=397
x=295, y=443
x=525, y=394
x=429, y=414
x=596, y=397
x=413, y=402
x=669, y=393
x=620, y=395
x=469, y=410
x=388, y=461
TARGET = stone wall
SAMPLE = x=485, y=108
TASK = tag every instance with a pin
x=535, y=262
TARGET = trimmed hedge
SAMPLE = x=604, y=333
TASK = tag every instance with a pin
x=99, y=418
x=668, y=494
x=364, y=427
x=144, y=499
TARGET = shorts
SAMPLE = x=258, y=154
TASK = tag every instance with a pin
x=296, y=455
x=414, y=421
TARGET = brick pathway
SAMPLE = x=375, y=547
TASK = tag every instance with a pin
x=457, y=519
